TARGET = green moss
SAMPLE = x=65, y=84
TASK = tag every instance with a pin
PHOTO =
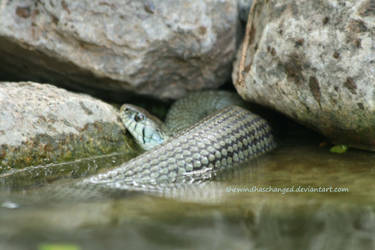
x=339, y=149
x=58, y=247
x=95, y=139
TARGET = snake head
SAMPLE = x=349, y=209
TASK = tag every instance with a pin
x=147, y=130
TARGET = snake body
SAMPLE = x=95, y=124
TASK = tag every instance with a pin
x=224, y=139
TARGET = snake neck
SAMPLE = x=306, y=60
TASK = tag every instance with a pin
x=147, y=130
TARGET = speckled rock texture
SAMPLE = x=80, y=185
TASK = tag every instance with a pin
x=158, y=48
x=315, y=62
x=40, y=124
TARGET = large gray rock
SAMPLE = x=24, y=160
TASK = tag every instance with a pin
x=159, y=48
x=40, y=124
x=315, y=62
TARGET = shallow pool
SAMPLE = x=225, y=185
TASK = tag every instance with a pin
x=299, y=196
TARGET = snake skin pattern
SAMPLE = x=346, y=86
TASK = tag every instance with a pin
x=222, y=140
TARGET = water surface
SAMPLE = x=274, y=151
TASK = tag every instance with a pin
x=225, y=214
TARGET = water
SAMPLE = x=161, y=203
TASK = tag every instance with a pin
x=226, y=214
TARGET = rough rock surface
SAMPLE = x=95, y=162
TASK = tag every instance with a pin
x=315, y=62
x=40, y=124
x=159, y=48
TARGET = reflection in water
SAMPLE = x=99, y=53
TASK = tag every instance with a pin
x=318, y=227
x=226, y=214
x=10, y=205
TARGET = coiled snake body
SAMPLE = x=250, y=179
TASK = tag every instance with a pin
x=184, y=150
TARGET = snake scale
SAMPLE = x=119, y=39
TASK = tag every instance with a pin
x=192, y=151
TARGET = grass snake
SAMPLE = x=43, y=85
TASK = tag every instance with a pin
x=204, y=133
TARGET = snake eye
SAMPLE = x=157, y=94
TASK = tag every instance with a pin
x=125, y=110
x=139, y=117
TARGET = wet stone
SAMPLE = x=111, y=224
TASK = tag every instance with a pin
x=137, y=58
x=44, y=124
x=313, y=58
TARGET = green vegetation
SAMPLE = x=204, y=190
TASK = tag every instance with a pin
x=339, y=149
x=58, y=247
